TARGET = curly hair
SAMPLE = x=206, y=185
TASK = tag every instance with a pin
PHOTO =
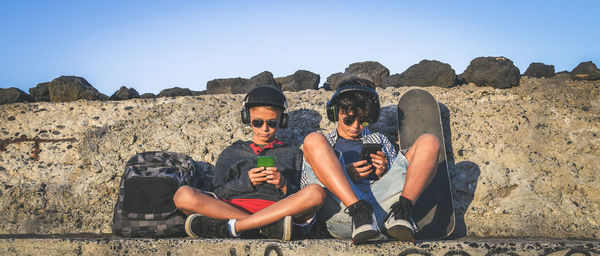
x=360, y=103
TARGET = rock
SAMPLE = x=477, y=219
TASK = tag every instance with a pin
x=125, y=93
x=460, y=79
x=300, y=80
x=198, y=93
x=13, y=95
x=174, y=92
x=497, y=72
x=71, y=88
x=240, y=85
x=371, y=70
x=40, y=92
x=226, y=85
x=426, y=73
x=394, y=80
x=586, y=71
x=537, y=69
x=264, y=78
x=148, y=96
x=334, y=79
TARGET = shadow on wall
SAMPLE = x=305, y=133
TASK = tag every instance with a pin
x=301, y=123
x=463, y=178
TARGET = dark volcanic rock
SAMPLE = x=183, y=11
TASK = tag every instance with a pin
x=72, y=88
x=13, y=95
x=174, y=92
x=198, y=93
x=394, y=80
x=240, y=85
x=226, y=85
x=334, y=80
x=147, y=96
x=460, y=79
x=300, y=80
x=40, y=92
x=125, y=94
x=537, y=69
x=426, y=73
x=497, y=72
x=264, y=78
x=371, y=70
x=586, y=71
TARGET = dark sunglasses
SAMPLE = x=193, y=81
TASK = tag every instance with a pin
x=257, y=123
x=349, y=120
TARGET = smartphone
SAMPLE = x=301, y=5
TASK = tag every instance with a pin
x=367, y=150
x=265, y=161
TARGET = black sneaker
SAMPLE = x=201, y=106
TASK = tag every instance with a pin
x=364, y=226
x=198, y=225
x=282, y=229
x=399, y=223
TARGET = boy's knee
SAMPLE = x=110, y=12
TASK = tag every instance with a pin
x=431, y=141
x=313, y=140
x=182, y=195
x=315, y=194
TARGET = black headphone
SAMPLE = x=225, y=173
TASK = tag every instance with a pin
x=245, y=112
x=332, y=112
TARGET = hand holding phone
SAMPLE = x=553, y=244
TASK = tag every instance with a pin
x=367, y=150
x=365, y=154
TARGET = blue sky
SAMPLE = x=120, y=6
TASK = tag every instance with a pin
x=162, y=44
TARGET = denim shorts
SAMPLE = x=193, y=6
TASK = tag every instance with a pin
x=381, y=194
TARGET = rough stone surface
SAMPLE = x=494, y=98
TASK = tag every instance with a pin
x=240, y=85
x=174, y=92
x=498, y=72
x=300, y=80
x=69, y=88
x=537, y=69
x=186, y=246
x=394, y=80
x=371, y=70
x=523, y=160
x=125, y=93
x=40, y=92
x=426, y=73
x=13, y=95
x=334, y=80
x=586, y=71
x=147, y=96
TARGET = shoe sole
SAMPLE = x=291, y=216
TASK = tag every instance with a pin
x=365, y=236
x=287, y=228
x=188, y=226
x=401, y=233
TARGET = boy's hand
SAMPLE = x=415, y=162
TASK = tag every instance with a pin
x=380, y=162
x=275, y=178
x=358, y=170
x=257, y=176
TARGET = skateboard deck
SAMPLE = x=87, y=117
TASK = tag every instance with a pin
x=419, y=113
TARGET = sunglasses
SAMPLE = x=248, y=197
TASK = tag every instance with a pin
x=257, y=123
x=349, y=120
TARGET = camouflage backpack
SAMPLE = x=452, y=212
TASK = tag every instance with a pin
x=145, y=206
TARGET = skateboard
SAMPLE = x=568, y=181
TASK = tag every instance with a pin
x=419, y=113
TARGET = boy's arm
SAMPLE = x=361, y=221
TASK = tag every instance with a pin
x=293, y=182
x=234, y=180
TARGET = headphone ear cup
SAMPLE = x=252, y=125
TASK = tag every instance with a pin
x=283, y=122
x=245, y=115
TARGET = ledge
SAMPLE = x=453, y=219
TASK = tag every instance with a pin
x=110, y=245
